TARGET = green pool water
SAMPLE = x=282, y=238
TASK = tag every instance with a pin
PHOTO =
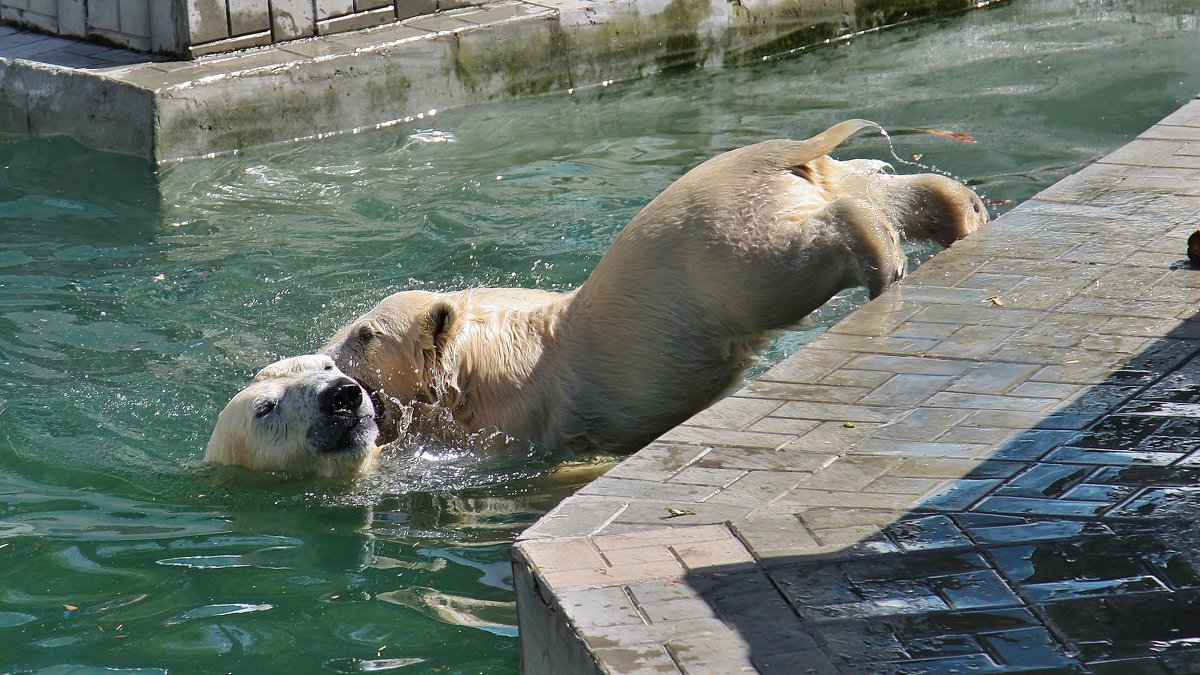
x=134, y=302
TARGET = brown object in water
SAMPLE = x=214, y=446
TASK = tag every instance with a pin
x=1194, y=248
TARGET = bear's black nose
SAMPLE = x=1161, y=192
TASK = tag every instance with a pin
x=343, y=396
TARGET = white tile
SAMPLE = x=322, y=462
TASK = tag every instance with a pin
x=103, y=15
x=329, y=8
x=72, y=17
x=135, y=17
x=208, y=20
x=249, y=16
x=292, y=19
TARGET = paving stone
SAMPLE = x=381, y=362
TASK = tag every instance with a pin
x=886, y=446
x=902, y=485
x=927, y=533
x=597, y=607
x=641, y=635
x=925, y=330
x=643, y=514
x=811, y=410
x=689, y=607
x=1115, y=626
x=1032, y=445
x=658, y=461
x=574, y=516
x=789, y=460
x=788, y=391
x=850, y=474
x=948, y=399
x=910, y=365
x=906, y=389
x=1045, y=480
x=946, y=467
x=782, y=425
x=808, y=365
x=711, y=656
x=1036, y=530
x=686, y=433
x=1164, y=502
x=1135, y=666
x=773, y=535
x=635, y=659
x=981, y=315
x=703, y=555
x=705, y=475
x=801, y=498
x=1041, y=507
x=957, y=495
x=836, y=438
x=734, y=412
x=973, y=342
x=1109, y=457
x=993, y=378
x=854, y=377
x=626, y=487
x=830, y=517
x=977, y=435
x=1027, y=648
x=757, y=488
x=861, y=540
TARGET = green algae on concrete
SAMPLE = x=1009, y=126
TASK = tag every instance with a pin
x=792, y=25
x=528, y=59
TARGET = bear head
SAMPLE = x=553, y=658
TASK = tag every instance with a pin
x=300, y=415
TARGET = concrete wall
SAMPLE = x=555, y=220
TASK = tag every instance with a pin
x=226, y=25
x=189, y=28
x=147, y=25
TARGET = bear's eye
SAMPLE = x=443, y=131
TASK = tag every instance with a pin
x=262, y=408
x=366, y=333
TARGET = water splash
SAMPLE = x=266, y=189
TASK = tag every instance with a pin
x=929, y=168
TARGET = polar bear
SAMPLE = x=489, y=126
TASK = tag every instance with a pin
x=745, y=244
x=300, y=416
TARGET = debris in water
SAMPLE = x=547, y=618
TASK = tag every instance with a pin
x=956, y=135
x=996, y=300
x=675, y=513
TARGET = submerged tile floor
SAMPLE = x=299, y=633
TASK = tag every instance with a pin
x=993, y=467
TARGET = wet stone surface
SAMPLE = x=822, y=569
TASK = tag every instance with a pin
x=939, y=484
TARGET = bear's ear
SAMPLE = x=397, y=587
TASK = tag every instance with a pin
x=366, y=332
x=441, y=325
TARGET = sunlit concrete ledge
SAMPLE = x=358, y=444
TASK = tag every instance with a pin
x=161, y=109
x=989, y=468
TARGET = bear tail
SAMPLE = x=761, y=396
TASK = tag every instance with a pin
x=795, y=153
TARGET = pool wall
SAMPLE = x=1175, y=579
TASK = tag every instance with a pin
x=164, y=109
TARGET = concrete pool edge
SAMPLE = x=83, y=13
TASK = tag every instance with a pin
x=917, y=427
x=165, y=110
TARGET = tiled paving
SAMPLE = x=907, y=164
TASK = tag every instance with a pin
x=993, y=467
